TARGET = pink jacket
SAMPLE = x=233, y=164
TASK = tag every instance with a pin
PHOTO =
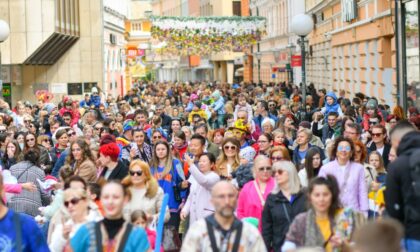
x=12, y=188
x=249, y=203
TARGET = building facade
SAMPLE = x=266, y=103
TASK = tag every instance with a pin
x=352, y=48
x=272, y=55
x=54, y=45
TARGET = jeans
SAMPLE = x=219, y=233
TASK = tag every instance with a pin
x=411, y=245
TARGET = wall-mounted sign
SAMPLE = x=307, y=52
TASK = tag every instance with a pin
x=296, y=61
x=348, y=10
x=134, y=52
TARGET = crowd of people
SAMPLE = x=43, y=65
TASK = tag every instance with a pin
x=243, y=167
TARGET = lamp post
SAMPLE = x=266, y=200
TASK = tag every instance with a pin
x=258, y=55
x=292, y=49
x=4, y=34
x=302, y=25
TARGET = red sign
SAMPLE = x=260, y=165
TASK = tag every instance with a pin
x=134, y=52
x=296, y=61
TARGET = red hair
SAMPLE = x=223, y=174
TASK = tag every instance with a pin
x=111, y=149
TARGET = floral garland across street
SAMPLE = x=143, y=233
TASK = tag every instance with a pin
x=204, y=35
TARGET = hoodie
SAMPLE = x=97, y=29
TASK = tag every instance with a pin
x=398, y=197
x=335, y=107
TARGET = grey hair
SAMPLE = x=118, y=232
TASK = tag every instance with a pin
x=258, y=159
x=290, y=168
x=307, y=132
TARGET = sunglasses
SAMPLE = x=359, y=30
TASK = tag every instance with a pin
x=138, y=173
x=71, y=133
x=277, y=158
x=265, y=168
x=73, y=201
x=157, y=137
x=229, y=147
x=344, y=148
x=375, y=122
x=98, y=128
x=279, y=172
x=376, y=134
x=27, y=121
x=2, y=131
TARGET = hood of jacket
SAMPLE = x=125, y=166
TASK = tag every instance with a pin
x=332, y=95
x=409, y=143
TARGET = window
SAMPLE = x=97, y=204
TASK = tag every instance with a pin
x=236, y=7
x=74, y=89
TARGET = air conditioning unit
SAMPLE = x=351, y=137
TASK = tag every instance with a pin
x=113, y=39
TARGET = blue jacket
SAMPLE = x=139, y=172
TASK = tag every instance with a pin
x=335, y=107
x=219, y=106
x=172, y=180
x=95, y=100
x=258, y=119
x=60, y=162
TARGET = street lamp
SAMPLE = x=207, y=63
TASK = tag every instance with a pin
x=292, y=49
x=258, y=55
x=4, y=34
x=302, y=25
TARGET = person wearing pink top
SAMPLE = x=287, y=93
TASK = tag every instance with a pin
x=254, y=193
x=17, y=188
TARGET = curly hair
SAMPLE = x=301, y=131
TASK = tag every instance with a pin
x=335, y=147
x=86, y=153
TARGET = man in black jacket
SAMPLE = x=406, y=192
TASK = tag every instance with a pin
x=114, y=168
x=402, y=198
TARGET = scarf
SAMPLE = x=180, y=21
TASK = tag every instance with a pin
x=313, y=235
x=180, y=147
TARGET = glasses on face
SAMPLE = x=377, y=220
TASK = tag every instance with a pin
x=262, y=141
x=157, y=137
x=45, y=141
x=71, y=133
x=98, y=128
x=344, y=148
x=265, y=168
x=27, y=121
x=271, y=105
x=373, y=122
x=229, y=147
x=73, y=201
x=277, y=159
x=67, y=119
x=138, y=173
x=376, y=134
x=279, y=172
x=2, y=131
x=30, y=140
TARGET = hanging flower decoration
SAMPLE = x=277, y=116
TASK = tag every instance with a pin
x=204, y=35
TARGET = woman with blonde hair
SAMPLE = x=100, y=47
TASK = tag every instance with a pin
x=285, y=202
x=146, y=195
x=76, y=202
x=228, y=160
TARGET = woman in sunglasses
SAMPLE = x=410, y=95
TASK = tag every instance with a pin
x=45, y=159
x=283, y=204
x=254, y=193
x=279, y=153
x=228, y=161
x=145, y=191
x=112, y=233
x=202, y=180
x=349, y=174
x=76, y=202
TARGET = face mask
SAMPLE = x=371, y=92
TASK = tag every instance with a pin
x=21, y=145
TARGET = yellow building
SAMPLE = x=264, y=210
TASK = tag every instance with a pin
x=54, y=45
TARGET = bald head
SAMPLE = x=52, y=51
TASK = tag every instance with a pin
x=222, y=186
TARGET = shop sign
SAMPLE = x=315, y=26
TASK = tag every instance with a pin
x=7, y=90
x=348, y=10
x=296, y=61
x=135, y=52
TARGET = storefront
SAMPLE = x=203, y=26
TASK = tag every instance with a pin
x=408, y=52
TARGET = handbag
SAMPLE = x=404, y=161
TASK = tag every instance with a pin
x=171, y=241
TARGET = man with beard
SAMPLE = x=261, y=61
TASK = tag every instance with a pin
x=222, y=231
